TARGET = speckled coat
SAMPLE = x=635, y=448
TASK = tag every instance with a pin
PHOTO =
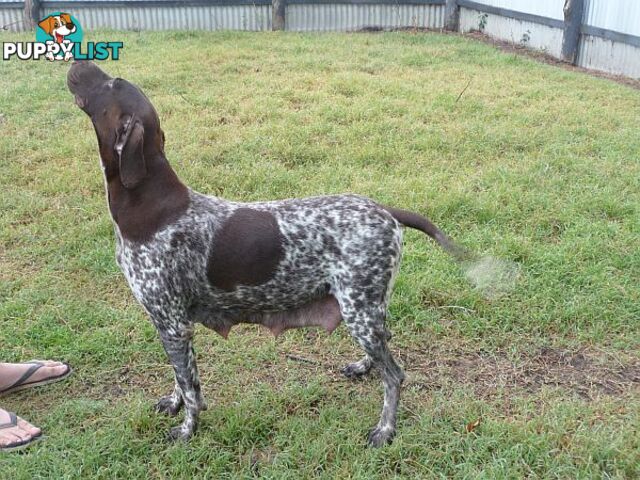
x=191, y=258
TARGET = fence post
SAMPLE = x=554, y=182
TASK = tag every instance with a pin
x=573, y=12
x=451, y=15
x=31, y=14
x=279, y=8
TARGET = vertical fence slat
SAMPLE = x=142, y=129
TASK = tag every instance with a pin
x=31, y=14
x=451, y=16
x=573, y=13
x=279, y=12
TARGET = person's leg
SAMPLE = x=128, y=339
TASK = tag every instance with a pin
x=10, y=373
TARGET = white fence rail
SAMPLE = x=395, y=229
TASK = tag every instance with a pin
x=618, y=15
x=543, y=8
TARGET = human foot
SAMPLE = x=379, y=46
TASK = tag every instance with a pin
x=15, y=432
x=17, y=376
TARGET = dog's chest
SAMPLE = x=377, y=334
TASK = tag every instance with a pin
x=143, y=269
x=169, y=269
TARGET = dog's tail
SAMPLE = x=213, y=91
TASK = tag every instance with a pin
x=492, y=276
x=417, y=221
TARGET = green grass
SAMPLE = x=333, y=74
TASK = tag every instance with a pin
x=533, y=164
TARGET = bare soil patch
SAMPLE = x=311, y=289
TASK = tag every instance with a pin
x=585, y=373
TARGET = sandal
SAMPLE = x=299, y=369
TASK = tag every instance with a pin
x=12, y=423
x=22, y=382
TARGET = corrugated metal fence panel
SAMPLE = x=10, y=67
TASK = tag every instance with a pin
x=618, y=15
x=232, y=17
x=541, y=37
x=11, y=19
x=344, y=17
x=544, y=8
x=613, y=57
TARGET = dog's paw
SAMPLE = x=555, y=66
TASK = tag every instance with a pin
x=379, y=437
x=179, y=434
x=356, y=369
x=169, y=405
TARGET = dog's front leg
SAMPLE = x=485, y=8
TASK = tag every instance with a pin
x=179, y=348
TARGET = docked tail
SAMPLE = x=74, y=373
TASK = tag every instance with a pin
x=492, y=276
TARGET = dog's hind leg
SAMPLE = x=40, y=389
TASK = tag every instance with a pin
x=359, y=368
x=171, y=404
x=178, y=343
x=367, y=327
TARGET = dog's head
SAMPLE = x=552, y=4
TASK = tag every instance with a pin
x=58, y=26
x=126, y=124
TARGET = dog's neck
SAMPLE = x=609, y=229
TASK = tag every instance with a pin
x=158, y=200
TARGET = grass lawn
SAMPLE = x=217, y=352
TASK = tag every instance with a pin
x=533, y=164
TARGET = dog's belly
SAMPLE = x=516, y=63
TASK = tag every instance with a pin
x=321, y=312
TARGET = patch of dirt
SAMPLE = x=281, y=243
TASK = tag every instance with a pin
x=585, y=373
x=154, y=380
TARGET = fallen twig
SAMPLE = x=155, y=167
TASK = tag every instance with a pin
x=464, y=90
x=300, y=359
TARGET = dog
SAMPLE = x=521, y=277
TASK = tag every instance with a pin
x=191, y=258
x=58, y=27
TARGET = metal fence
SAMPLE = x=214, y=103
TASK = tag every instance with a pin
x=350, y=16
x=300, y=15
x=608, y=35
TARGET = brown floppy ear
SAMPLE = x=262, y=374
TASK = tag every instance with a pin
x=129, y=150
x=47, y=25
x=66, y=17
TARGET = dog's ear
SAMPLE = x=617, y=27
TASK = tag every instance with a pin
x=66, y=18
x=130, y=152
x=47, y=25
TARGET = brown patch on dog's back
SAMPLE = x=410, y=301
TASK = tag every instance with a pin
x=246, y=250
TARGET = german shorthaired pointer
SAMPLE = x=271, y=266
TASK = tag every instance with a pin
x=192, y=258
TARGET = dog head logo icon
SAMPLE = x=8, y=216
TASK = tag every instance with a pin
x=62, y=29
x=58, y=26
